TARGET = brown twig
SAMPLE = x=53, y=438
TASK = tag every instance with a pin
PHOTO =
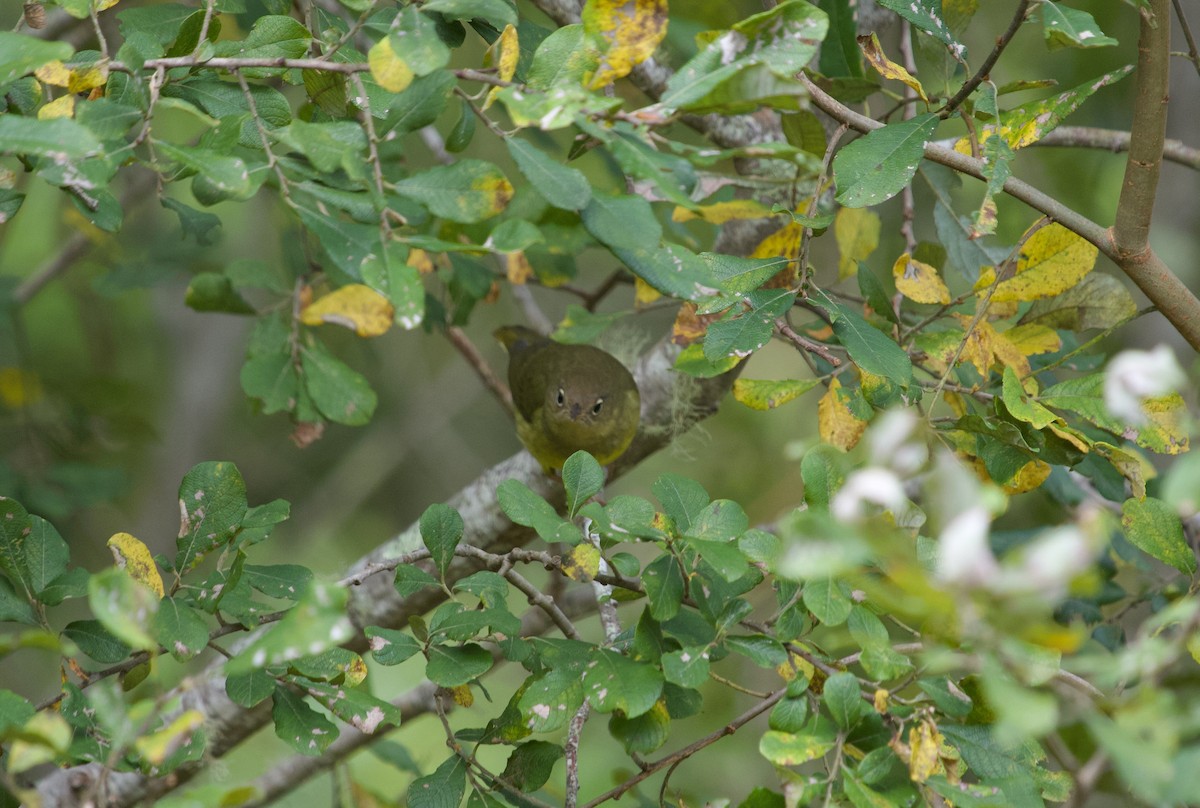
x=1193, y=53
x=651, y=767
x=804, y=343
x=986, y=68
x=475, y=359
x=1115, y=140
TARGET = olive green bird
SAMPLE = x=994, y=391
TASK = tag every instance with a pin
x=568, y=398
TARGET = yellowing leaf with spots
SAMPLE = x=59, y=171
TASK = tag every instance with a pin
x=1166, y=430
x=354, y=306
x=886, y=67
x=582, y=563
x=857, y=234
x=387, y=68
x=722, y=212
x=1052, y=261
x=764, y=394
x=420, y=261
x=924, y=741
x=61, y=107
x=517, y=268
x=507, y=51
x=784, y=242
x=1034, y=338
x=1132, y=466
x=158, y=746
x=632, y=28
x=467, y=191
x=919, y=282
x=1028, y=477
x=837, y=424
x=462, y=695
x=794, y=666
x=881, y=700
x=134, y=557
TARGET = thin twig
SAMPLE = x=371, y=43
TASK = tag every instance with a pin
x=804, y=343
x=475, y=359
x=650, y=768
x=1115, y=140
x=986, y=68
x=1193, y=53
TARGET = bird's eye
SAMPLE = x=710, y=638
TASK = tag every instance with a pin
x=562, y=398
x=596, y=407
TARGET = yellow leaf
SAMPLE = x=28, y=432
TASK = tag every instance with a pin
x=1052, y=261
x=507, y=50
x=1009, y=354
x=1072, y=436
x=517, y=267
x=462, y=695
x=783, y=242
x=134, y=557
x=919, y=282
x=644, y=294
x=763, y=394
x=19, y=388
x=795, y=666
x=353, y=306
x=420, y=260
x=1034, y=338
x=1028, y=477
x=886, y=67
x=87, y=78
x=158, y=746
x=1166, y=430
x=633, y=30
x=977, y=345
x=924, y=740
x=881, y=700
x=387, y=68
x=838, y=426
x=857, y=234
x=61, y=107
x=54, y=73
x=582, y=563
x=722, y=212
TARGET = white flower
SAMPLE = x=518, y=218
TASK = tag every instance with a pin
x=871, y=485
x=1133, y=376
x=895, y=443
x=964, y=555
x=1052, y=561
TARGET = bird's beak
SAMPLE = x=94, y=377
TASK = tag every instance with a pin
x=575, y=412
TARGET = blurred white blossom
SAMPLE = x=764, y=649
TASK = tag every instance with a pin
x=1133, y=376
x=894, y=442
x=964, y=555
x=874, y=486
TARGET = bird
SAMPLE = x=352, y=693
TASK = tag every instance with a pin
x=568, y=398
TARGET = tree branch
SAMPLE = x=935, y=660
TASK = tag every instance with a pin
x=1148, y=130
x=1018, y=19
x=1169, y=294
x=1115, y=140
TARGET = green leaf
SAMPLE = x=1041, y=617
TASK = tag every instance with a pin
x=613, y=681
x=316, y=623
x=1097, y=301
x=227, y=175
x=1021, y=405
x=878, y=166
x=212, y=291
x=826, y=600
x=283, y=581
x=530, y=764
x=417, y=39
x=442, y=789
x=869, y=347
x=329, y=146
x=622, y=221
x=212, y=500
x=299, y=725
x=418, y=106
x=788, y=715
x=249, y=689
x=1065, y=27
x=564, y=58
x=561, y=186
x=467, y=191
x=763, y=651
x=794, y=748
x=644, y=733
x=391, y=647
x=96, y=641
x=528, y=509
x=341, y=394
x=16, y=527
x=57, y=138
x=583, y=478
x=767, y=394
x=451, y=666
x=180, y=629
x=687, y=667
x=355, y=706
x=927, y=15
x=843, y=699
x=20, y=55
x=125, y=607
x=682, y=499
x=548, y=701
x=1154, y=528
x=441, y=531
x=14, y=608
x=496, y=12
x=272, y=37
x=741, y=333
